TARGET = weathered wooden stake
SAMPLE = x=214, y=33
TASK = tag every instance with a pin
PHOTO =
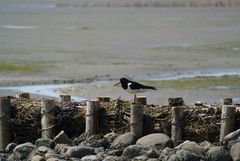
x=227, y=120
x=103, y=99
x=176, y=131
x=48, y=117
x=92, y=117
x=141, y=100
x=177, y=116
x=23, y=95
x=64, y=98
x=226, y=101
x=136, y=121
x=5, y=110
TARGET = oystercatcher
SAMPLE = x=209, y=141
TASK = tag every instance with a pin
x=133, y=87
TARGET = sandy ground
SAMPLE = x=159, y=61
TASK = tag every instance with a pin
x=88, y=44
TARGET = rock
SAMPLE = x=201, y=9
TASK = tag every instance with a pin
x=79, y=151
x=232, y=136
x=43, y=149
x=95, y=141
x=175, y=158
x=138, y=150
x=191, y=146
x=110, y=137
x=9, y=148
x=61, y=148
x=166, y=152
x=115, y=158
x=188, y=156
x=55, y=159
x=91, y=158
x=157, y=140
x=23, y=150
x=38, y=158
x=62, y=138
x=206, y=145
x=218, y=153
x=44, y=142
x=115, y=152
x=235, y=151
x=80, y=139
x=124, y=140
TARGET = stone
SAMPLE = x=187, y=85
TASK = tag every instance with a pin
x=124, y=140
x=232, y=136
x=55, y=159
x=38, y=158
x=80, y=139
x=110, y=137
x=188, y=156
x=45, y=142
x=43, y=149
x=79, y=151
x=62, y=138
x=95, y=141
x=235, y=151
x=191, y=146
x=115, y=158
x=175, y=158
x=9, y=148
x=165, y=153
x=218, y=153
x=91, y=158
x=137, y=150
x=158, y=140
x=206, y=145
x=23, y=150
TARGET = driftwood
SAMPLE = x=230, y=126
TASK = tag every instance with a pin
x=199, y=123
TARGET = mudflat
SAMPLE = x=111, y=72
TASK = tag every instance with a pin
x=51, y=44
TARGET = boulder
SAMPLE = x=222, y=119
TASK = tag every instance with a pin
x=22, y=151
x=91, y=158
x=115, y=158
x=191, y=146
x=38, y=158
x=175, y=158
x=62, y=138
x=206, y=145
x=110, y=137
x=124, y=140
x=138, y=150
x=80, y=139
x=235, y=151
x=79, y=151
x=188, y=156
x=44, y=142
x=95, y=141
x=218, y=153
x=157, y=140
x=232, y=136
x=9, y=148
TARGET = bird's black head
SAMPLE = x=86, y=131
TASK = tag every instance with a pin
x=124, y=82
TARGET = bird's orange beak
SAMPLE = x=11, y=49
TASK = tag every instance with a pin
x=117, y=84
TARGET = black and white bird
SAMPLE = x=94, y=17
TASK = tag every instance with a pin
x=133, y=87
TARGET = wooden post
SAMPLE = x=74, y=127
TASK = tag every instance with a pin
x=177, y=116
x=23, y=95
x=136, y=121
x=103, y=99
x=5, y=110
x=92, y=117
x=64, y=98
x=48, y=118
x=141, y=100
x=227, y=120
x=226, y=101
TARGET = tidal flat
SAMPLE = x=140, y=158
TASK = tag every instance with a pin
x=63, y=44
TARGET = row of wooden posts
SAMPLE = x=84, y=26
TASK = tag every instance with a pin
x=136, y=118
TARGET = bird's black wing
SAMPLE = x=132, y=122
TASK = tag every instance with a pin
x=136, y=85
